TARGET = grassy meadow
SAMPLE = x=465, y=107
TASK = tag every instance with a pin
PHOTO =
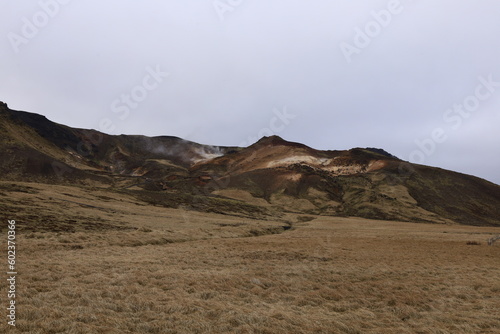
x=92, y=260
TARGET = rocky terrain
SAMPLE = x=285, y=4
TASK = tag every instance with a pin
x=267, y=179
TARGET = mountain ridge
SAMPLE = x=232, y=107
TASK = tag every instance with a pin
x=281, y=176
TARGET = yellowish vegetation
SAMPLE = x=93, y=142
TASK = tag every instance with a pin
x=161, y=270
x=241, y=195
x=291, y=203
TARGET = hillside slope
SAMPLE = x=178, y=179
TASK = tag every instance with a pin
x=270, y=177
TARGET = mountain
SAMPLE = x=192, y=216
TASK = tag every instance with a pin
x=269, y=178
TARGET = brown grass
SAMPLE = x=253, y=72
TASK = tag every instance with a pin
x=178, y=271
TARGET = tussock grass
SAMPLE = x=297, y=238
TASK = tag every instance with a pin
x=208, y=273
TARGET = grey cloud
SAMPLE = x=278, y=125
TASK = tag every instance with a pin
x=227, y=77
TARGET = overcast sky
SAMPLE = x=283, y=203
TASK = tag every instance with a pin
x=420, y=79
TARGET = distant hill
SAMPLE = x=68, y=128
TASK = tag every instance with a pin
x=270, y=177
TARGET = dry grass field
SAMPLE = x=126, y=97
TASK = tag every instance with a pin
x=96, y=261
